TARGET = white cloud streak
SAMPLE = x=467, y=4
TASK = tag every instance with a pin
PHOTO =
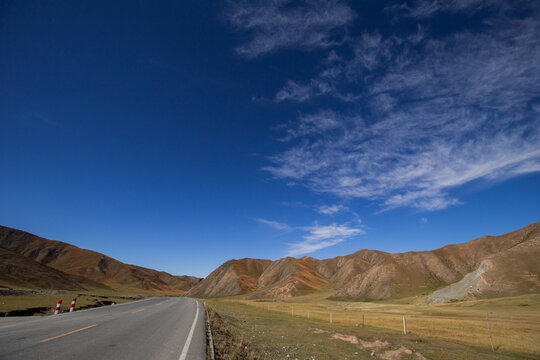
x=316, y=237
x=331, y=209
x=273, y=224
x=322, y=236
x=421, y=9
x=276, y=24
x=305, y=247
x=437, y=113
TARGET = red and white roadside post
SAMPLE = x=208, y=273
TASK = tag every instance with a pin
x=72, y=308
x=58, y=305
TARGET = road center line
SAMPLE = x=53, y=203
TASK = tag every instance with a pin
x=188, y=340
x=134, y=312
x=68, y=333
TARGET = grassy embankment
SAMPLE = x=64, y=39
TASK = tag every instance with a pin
x=445, y=331
x=44, y=304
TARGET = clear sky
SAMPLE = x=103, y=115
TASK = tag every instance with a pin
x=178, y=135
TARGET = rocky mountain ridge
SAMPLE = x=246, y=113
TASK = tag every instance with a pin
x=488, y=266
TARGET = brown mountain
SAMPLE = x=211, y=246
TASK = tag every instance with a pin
x=512, y=271
x=487, y=266
x=232, y=278
x=95, y=267
x=18, y=271
x=414, y=273
x=290, y=277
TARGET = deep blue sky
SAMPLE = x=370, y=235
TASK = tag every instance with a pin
x=178, y=136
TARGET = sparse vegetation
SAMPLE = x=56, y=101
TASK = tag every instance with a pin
x=445, y=331
x=228, y=341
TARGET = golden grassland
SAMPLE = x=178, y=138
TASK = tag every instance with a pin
x=443, y=331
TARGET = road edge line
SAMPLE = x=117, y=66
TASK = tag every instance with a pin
x=188, y=340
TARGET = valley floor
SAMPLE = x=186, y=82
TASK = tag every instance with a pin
x=282, y=330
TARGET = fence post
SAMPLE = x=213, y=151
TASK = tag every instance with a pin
x=362, y=321
x=489, y=332
x=330, y=317
x=404, y=326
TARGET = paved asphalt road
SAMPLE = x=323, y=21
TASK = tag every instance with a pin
x=158, y=328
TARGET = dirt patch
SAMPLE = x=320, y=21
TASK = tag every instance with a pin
x=396, y=354
x=376, y=347
x=348, y=338
x=373, y=345
x=228, y=343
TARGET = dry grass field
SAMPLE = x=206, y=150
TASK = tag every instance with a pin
x=458, y=330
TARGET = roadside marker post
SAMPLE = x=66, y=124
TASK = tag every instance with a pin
x=72, y=308
x=58, y=305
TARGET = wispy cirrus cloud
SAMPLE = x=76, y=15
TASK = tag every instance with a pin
x=326, y=232
x=437, y=112
x=316, y=236
x=277, y=24
x=426, y=8
x=331, y=209
x=322, y=236
x=273, y=224
x=308, y=247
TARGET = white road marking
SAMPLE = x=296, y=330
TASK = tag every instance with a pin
x=188, y=340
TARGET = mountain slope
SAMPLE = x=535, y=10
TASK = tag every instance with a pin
x=234, y=277
x=17, y=271
x=414, y=273
x=491, y=265
x=90, y=264
x=290, y=277
x=513, y=271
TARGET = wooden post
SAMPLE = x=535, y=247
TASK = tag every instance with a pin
x=404, y=326
x=330, y=317
x=362, y=321
x=489, y=332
